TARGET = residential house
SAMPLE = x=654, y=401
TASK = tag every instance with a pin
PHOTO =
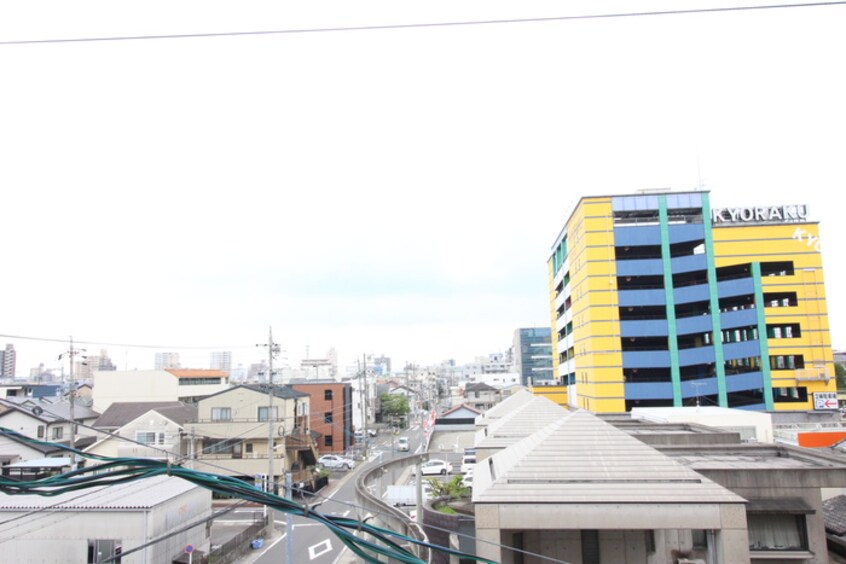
x=331, y=407
x=45, y=420
x=144, y=430
x=481, y=396
x=172, y=384
x=232, y=436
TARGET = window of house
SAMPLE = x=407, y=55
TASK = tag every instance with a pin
x=327, y=417
x=776, y=532
x=150, y=437
x=220, y=446
x=221, y=414
x=58, y=432
x=248, y=448
x=327, y=440
x=263, y=411
x=41, y=431
x=327, y=395
x=101, y=549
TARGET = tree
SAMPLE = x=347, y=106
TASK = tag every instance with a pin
x=394, y=405
x=453, y=489
x=840, y=374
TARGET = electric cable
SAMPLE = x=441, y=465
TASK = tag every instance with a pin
x=462, y=23
x=110, y=471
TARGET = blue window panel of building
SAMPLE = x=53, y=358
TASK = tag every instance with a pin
x=649, y=390
x=739, y=287
x=688, y=263
x=696, y=388
x=686, y=232
x=690, y=294
x=695, y=324
x=753, y=407
x=742, y=382
x=684, y=200
x=744, y=349
x=632, y=236
x=646, y=359
x=644, y=328
x=641, y=297
x=740, y=318
x=634, y=203
x=644, y=267
x=700, y=355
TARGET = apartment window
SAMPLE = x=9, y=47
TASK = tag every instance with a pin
x=41, y=431
x=150, y=437
x=248, y=448
x=221, y=414
x=263, y=411
x=327, y=395
x=100, y=549
x=327, y=440
x=221, y=446
x=327, y=417
x=58, y=432
x=774, y=532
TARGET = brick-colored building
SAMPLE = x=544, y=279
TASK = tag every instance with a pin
x=331, y=413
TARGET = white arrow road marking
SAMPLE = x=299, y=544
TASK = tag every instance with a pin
x=312, y=550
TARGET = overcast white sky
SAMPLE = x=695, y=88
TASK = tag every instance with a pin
x=385, y=191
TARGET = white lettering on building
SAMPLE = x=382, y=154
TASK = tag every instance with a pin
x=760, y=214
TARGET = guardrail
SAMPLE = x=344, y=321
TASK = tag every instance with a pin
x=386, y=473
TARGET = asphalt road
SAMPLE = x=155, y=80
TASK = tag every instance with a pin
x=313, y=542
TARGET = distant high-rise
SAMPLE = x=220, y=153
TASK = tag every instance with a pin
x=7, y=362
x=167, y=360
x=84, y=369
x=533, y=355
x=222, y=360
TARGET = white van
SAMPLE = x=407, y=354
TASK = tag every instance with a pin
x=402, y=444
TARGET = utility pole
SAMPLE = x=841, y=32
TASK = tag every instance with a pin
x=272, y=350
x=71, y=353
x=364, y=402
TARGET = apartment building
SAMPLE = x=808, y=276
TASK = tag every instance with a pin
x=661, y=299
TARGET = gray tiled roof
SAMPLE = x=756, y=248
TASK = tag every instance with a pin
x=835, y=514
x=505, y=407
x=120, y=413
x=524, y=420
x=579, y=458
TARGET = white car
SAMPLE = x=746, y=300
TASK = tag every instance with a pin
x=467, y=479
x=335, y=462
x=467, y=463
x=435, y=467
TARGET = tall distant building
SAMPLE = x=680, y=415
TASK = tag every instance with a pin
x=222, y=360
x=532, y=350
x=84, y=369
x=660, y=299
x=167, y=360
x=8, y=361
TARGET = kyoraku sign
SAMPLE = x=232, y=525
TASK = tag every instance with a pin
x=760, y=214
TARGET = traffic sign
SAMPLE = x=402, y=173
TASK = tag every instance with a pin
x=825, y=400
x=189, y=549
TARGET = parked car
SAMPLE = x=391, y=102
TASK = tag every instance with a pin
x=435, y=467
x=467, y=479
x=335, y=462
x=467, y=463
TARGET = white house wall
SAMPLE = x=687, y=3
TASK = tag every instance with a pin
x=112, y=386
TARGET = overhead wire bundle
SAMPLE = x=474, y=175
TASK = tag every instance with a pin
x=110, y=471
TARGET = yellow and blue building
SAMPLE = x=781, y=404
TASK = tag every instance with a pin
x=661, y=299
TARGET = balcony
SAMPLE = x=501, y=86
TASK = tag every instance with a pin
x=156, y=452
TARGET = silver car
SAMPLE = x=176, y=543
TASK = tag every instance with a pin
x=335, y=462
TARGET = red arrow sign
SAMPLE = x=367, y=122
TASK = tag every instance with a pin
x=830, y=403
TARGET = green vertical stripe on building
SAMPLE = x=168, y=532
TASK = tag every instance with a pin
x=713, y=289
x=762, y=336
x=672, y=338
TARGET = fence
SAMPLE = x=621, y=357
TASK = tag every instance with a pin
x=238, y=545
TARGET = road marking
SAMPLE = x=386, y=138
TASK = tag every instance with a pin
x=312, y=550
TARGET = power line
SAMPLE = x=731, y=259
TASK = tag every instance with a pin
x=127, y=345
x=615, y=15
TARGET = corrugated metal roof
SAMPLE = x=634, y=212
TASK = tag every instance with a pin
x=835, y=514
x=579, y=458
x=142, y=494
x=524, y=420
